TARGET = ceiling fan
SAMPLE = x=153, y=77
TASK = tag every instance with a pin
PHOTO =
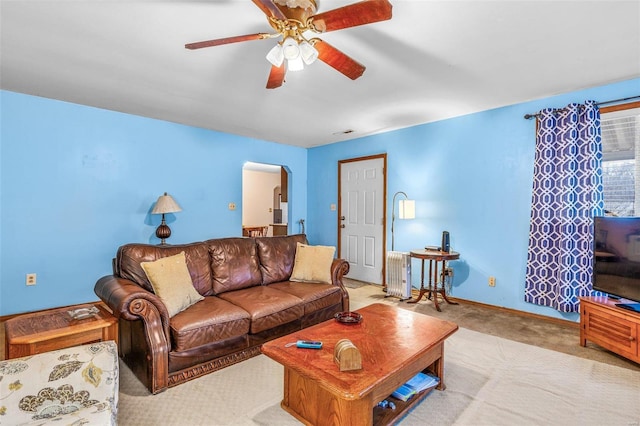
x=291, y=19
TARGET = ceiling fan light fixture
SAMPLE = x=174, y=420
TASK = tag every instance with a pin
x=295, y=64
x=290, y=48
x=291, y=19
x=308, y=52
x=275, y=55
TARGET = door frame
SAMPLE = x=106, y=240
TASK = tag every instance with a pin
x=383, y=250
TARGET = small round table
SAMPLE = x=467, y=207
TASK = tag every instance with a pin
x=434, y=256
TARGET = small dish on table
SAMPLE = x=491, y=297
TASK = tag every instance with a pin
x=348, y=317
x=83, y=313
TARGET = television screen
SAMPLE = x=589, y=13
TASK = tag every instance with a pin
x=616, y=266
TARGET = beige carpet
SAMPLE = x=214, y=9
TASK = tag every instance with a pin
x=490, y=381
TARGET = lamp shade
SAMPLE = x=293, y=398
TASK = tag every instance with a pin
x=165, y=204
x=407, y=209
x=295, y=64
x=290, y=49
x=308, y=52
x=275, y=55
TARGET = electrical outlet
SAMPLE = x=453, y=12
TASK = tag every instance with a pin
x=492, y=281
x=232, y=206
x=31, y=279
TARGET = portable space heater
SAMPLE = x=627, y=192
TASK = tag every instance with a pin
x=399, y=274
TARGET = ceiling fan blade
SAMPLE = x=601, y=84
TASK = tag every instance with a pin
x=270, y=9
x=227, y=40
x=276, y=76
x=361, y=13
x=338, y=60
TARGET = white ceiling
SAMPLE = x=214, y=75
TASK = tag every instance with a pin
x=433, y=60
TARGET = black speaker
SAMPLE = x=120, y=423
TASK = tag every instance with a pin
x=445, y=247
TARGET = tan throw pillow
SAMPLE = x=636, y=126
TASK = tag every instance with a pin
x=172, y=283
x=313, y=264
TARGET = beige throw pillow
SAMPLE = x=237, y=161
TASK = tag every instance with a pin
x=313, y=263
x=170, y=279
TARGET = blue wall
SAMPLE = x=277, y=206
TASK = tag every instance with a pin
x=77, y=182
x=471, y=176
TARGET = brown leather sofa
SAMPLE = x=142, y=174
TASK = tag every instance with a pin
x=248, y=300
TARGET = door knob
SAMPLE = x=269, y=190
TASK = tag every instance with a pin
x=342, y=226
x=342, y=217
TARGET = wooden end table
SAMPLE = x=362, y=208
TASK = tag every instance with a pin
x=395, y=345
x=434, y=256
x=52, y=329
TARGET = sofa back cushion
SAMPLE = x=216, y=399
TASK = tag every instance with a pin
x=234, y=264
x=277, y=256
x=129, y=257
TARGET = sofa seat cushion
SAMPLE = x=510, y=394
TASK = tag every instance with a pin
x=209, y=320
x=314, y=295
x=268, y=306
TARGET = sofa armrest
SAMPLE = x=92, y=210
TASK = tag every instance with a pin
x=340, y=268
x=129, y=301
x=121, y=295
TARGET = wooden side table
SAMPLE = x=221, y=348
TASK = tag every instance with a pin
x=45, y=331
x=434, y=256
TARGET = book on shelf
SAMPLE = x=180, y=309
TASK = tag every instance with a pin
x=416, y=384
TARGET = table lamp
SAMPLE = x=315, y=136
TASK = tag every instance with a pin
x=165, y=204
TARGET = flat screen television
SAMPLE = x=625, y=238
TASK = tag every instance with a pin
x=616, y=259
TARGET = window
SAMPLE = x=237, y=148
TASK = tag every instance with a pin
x=620, y=170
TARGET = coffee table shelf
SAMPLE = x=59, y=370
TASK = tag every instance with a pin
x=386, y=416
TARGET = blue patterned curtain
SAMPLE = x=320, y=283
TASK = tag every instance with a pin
x=567, y=194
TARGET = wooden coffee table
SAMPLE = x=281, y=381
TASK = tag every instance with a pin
x=395, y=345
x=52, y=329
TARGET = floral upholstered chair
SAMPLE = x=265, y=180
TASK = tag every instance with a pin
x=77, y=385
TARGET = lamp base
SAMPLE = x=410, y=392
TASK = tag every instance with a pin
x=163, y=231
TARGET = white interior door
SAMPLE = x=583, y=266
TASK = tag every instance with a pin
x=362, y=218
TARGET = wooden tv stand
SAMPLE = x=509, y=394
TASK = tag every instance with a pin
x=609, y=326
